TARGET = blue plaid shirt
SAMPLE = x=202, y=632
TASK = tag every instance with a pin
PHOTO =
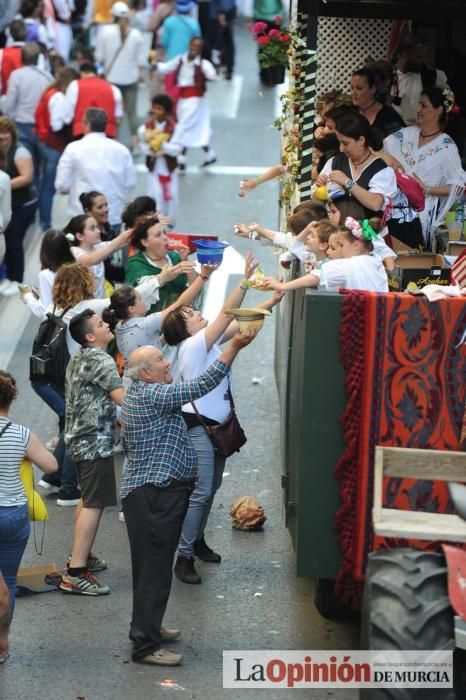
x=156, y=442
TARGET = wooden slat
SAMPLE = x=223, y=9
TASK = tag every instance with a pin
x=378, y=484
x=436, y=465
x=421, y=526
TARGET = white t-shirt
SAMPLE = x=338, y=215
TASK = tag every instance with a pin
x=193, y=359
x=97, y=270
x=359, y=272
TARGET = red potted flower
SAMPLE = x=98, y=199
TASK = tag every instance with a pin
x=274, y=44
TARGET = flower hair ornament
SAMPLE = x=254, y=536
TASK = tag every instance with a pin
x=449, y=100
x=69, y=237
x=362, y=231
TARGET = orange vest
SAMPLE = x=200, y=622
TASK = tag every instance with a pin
x=11, y=59
x=103, y=11
x=94, y=92
x=54, y=139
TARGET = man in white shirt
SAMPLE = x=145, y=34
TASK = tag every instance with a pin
x=121, y=50
x=412, y=76
x=99, y=163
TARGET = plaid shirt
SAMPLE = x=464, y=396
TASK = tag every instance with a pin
x=156, y=442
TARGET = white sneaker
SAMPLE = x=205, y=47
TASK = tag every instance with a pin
x=10, y=289
x=121, y=517
x=4, y=284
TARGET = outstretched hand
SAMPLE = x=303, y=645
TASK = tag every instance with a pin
x=241, y=339
x=272, y=283
x=250, y=265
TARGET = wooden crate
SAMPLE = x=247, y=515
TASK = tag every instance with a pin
x=433, y=465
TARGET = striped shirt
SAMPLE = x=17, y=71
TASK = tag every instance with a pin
x=13, y=444
x=154, y=435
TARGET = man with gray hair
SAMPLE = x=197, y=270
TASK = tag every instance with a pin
x=161, y=467
x=99, y=163
x=25, y=88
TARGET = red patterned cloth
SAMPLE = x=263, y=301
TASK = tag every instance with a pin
x=405, y=365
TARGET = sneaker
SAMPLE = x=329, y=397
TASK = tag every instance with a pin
x=121, y=516
x=161, y=657
x=51, y=444
x=169, y=635
x=85, y=584
x=185, y=572
x=93, y=564
x=4, y=284
x=49, y=486
x=10, y=289
x=68, y=498
x=182, y=168
x=205, y=553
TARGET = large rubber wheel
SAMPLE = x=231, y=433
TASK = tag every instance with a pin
x=406, y=606
x=325, y=600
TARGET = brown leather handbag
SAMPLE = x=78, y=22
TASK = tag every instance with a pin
x=227, y=437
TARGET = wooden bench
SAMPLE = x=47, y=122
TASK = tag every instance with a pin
x=432, y=465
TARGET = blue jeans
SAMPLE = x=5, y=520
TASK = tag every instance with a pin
x=54, y=397
x=67, y=471
x=28, y=137
x=14, y=534
x=211, y=468
x=50, y=157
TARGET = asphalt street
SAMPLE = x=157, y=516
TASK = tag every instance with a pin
x=70, y=647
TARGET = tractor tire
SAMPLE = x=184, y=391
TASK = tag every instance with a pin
x=325, y=600
x=406, y=607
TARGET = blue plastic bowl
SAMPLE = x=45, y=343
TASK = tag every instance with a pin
x=210, y=252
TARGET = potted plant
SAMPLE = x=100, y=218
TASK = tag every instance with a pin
x=274, y=45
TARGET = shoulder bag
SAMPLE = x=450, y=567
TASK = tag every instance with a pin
x=228, y=437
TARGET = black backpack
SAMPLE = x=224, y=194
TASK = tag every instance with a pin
x=50, y=356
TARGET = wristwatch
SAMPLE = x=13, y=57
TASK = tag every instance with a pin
x=349, y=184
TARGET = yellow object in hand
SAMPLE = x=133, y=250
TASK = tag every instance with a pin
x=321, y=193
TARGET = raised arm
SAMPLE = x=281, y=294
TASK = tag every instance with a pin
x=267, y=304
x=191, y=292
x=102, y=253
x=170, y=397
x=217, y=328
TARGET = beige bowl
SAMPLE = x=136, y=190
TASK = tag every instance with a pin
x=249, y=319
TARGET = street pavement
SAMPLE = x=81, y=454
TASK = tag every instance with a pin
x=70, y=647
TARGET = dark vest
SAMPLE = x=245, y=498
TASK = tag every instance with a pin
x=341, y=162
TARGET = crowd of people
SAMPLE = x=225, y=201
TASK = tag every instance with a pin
x=144, y=369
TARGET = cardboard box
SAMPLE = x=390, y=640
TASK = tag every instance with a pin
x=417, y=270
x=456, y=247
x=32, y=579
x=188, y=238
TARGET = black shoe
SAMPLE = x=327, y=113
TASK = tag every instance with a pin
x=69, y=498
x=205, y=553
x=209, y=161
x=185, y=571
x=181, y=168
